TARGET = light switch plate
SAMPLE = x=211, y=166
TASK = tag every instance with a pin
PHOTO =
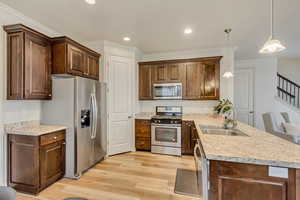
x=279, y=172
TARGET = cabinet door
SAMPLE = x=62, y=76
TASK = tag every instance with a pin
x=15, y=66
x=211, y=81
x=23, y=163
x=37, y=67
x=92, y=67
x=52, y=162
x=160, y=74
x=194, y=81
x=76, y=60
x=187, y=138
x=176, y=72
x=145, y=82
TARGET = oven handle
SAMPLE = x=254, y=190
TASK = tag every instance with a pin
x=167, y=125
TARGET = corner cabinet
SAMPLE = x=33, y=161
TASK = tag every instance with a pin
x=28, y=64
x=70, y=57
x=35, y=162
x=200, y=77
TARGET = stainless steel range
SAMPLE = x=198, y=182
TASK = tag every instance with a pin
x=166, y=130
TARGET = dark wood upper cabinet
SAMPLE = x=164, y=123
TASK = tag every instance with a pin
x=211, y=81
x=200, y=77
x=76, y=62
x=92, y=67
x=145, y=82
x=160, y=74
x=28, y=64
x=70, y=57
x=194, y=81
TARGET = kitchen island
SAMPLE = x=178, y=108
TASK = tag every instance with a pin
x=257, y=166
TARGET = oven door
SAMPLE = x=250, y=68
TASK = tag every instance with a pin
x=167, y=91
x=166, y=135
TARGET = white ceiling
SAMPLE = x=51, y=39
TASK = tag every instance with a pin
x=158, y=25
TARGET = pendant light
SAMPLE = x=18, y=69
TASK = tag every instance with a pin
x=272, y=45
x=228, y=73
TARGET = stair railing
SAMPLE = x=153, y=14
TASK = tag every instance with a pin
x=288, y=90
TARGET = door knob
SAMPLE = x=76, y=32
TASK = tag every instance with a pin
x=251, y=112
x=129, y=117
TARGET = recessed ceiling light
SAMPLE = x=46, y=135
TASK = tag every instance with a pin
x=188, y=31
x=126, y=39
x=92, y=2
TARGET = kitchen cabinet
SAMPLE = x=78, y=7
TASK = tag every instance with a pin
x=35, y=162
x=143, y=135
x=189, y=137
x=211, y=81
x=28, y=64
x=230, y=180
x=200, y=77
x=194, y=81
x=70, y=57
x=145, y=82
x=160, y=73
x=168, y=73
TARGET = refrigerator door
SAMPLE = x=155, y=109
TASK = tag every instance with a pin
x=84, y=88
x=99, y=137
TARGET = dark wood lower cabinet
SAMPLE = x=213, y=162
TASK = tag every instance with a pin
x=189, y=137
x=143, y=135
x=238, y=181
x=35, y=162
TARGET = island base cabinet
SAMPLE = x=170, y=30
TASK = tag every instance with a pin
x=35, y=162
x=238, y=181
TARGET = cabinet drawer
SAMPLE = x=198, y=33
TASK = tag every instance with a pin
x=142, y=128
x=52, y=137
x=143, y=143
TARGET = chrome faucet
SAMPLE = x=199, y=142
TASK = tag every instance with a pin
x=229, y=121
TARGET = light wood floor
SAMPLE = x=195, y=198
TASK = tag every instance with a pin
x=130, y=176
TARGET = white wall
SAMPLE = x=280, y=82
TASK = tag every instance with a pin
x=14, y=111
x=226, y=85
x=265, y=79
x=290, y=68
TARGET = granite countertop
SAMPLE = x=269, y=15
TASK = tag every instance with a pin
x=259, y=148
x=31, y=128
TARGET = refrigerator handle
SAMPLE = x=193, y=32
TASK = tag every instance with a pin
x=96, y=116
x=92, y=115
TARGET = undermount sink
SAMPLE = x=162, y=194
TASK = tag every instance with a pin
x=215, y=130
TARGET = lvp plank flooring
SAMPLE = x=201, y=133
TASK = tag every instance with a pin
x=129, y=176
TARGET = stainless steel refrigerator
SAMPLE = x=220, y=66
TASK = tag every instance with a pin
x=80, y=105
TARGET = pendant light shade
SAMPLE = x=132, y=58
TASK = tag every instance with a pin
x=228, y=71
x=228, y=74
x=272, y=45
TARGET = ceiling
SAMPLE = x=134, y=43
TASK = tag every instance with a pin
x=158, y=25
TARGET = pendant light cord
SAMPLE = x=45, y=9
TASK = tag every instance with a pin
x=272, y=19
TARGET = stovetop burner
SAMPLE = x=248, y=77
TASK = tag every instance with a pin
x=167, y=115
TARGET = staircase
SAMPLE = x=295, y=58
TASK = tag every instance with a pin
x=288, y=91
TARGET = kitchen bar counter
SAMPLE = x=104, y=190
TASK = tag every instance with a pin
x=31, y=128
x=259, y=148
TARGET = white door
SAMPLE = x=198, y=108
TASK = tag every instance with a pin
x=244, y=96
x=120, y=134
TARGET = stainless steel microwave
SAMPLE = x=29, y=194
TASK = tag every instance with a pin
x=167, y=91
